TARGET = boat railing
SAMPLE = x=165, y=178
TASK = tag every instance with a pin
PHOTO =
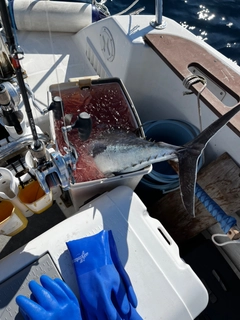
x=158, y=23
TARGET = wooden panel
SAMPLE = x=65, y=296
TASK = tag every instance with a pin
x=180, y=53
x=220, y=179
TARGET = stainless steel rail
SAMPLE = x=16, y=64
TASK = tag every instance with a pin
x=158, y=23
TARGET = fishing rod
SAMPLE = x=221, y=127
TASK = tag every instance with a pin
x=18, y=71
x=50, y=166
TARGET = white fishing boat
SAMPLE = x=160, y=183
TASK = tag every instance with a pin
x=66, y=81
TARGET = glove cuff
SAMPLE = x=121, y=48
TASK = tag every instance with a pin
x=90, y=253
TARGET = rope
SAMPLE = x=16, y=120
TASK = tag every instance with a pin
x=188, y=82
x=223, y=243
x=226, y=221
x=128, y=8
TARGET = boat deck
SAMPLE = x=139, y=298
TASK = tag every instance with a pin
x=186, y=57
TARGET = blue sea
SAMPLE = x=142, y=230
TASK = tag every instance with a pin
x=215, y=21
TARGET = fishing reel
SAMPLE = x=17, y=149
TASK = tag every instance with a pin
x=11, y=117
x=49, y=165
x=43, y=160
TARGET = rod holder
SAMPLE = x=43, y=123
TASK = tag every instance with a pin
x=158, y=23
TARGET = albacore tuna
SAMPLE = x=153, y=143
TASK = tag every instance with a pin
x=119, y=151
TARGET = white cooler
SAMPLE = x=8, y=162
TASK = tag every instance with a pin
x=166, y=287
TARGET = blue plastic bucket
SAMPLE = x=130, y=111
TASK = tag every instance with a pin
x=164, y=187
x=176, y=132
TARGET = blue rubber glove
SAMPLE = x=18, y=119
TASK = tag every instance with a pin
x=123, y=274
x=105, y=289
x=54, y=300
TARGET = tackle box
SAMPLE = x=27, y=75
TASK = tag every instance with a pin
x=166, y=287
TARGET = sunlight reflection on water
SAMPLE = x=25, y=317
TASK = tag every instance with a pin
x=216, y=22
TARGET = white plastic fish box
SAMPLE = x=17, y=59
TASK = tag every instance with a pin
x=81, y=192
x=166, y=287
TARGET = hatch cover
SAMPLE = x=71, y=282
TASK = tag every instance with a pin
x=18, y=284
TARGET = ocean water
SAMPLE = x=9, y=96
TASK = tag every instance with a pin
x=215, y=21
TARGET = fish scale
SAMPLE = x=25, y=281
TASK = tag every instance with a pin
x=121, y=152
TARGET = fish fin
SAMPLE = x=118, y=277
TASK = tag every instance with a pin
x=190, y=153
x=188, y=161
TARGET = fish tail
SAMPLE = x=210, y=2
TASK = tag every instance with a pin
x=188, y=162
x=189, y=155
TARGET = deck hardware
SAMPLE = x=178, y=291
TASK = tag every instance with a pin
x=234, y=234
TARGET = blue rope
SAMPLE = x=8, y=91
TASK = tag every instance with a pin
x=226, y=222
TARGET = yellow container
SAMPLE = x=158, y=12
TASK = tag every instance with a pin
x=33, y=196
x=9, y=191
x=12, y=221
